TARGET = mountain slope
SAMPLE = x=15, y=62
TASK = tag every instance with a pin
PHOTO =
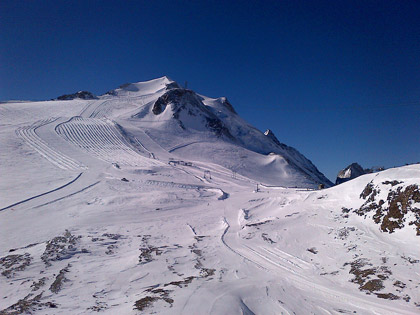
x=106, y=206
x=192, y=126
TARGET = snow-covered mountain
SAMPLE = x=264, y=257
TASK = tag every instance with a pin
x=144, y=201
x=197, y=127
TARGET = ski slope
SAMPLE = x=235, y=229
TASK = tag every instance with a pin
x=101, y=139
x=28, y=134
x=107, y=207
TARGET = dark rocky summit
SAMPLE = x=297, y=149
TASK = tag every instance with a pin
x=84, y=95
x=350, y=172
x=188, y=102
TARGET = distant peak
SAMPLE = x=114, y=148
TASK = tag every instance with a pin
x=84, y=95
x=177, y=97
x=352, y=171
x=144, y=87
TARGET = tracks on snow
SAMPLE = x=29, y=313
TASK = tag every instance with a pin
x=298, y=271
x=100, y=138
x=43, y=194
x=29, y=135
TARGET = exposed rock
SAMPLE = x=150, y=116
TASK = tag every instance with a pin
x=11, y=264
x=57, y=285
x=350, y=172
x=84, y=95
x=60, y=248
x=398, y=208
x=187, y=101
x=172, y=85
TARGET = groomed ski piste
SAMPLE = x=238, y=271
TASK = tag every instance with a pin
x=107, y=207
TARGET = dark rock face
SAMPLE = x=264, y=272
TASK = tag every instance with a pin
x=84, y=95
x=172, y=85
x=183, y=100
x=350, y=172
x=394, y=212
x=179, y=99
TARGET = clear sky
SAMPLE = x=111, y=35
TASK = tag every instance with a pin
x=338, y=80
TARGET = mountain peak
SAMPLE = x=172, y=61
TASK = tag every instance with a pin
x=84, y=95
x=352, y=171
x=144, y=87
x=188, y=109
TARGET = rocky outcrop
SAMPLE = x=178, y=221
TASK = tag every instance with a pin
x=84, y=95
x=350, y=172
x=183, y=101
x=172, y=85
x=397, y=210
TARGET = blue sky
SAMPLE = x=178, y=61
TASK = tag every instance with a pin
x=338, y=80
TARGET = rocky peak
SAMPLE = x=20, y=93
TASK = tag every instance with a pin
x=178, y=99
x=184, y=102
x=350, y=172
x=172, y=85
x=84, y=95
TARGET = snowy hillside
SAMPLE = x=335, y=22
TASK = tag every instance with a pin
x=196, y=127
x=143, y=201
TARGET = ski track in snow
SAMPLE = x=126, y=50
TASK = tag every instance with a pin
x=29, y=135
x=270, y=261
x=43, y=194
x=67, y=196
x=101, y=139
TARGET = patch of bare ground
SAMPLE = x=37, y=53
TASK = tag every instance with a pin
x=145, y=302
x=98, y=307
x=393, y=212
x=27, y=305
x=410, y=260
x=387, y=296
x=266, y=238
x=36, y=285
x=362, y=276
x=371, y=279
x=257, y=223
x=157, y=295
x=57, y=285
x=61, y=247
x=313, y=250
x=162, y=292
x=12, y=264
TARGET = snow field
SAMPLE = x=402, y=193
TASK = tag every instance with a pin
x=101, y=139
x=158, y=235
x=28, y=134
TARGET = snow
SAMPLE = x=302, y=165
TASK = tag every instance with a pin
x=190, y=243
